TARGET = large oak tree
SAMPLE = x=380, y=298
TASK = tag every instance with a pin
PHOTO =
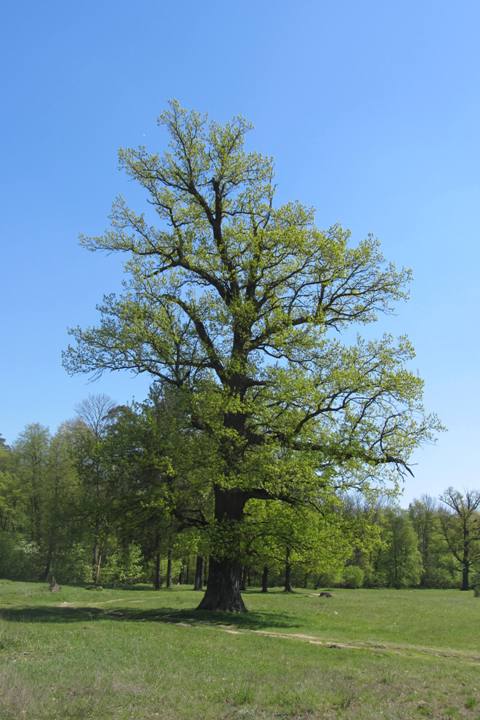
x=244, y=304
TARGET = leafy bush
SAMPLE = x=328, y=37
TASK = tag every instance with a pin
x=75, y=565
x=19, y=559
x=353, y=576
x=329, y=579
x=124, y=565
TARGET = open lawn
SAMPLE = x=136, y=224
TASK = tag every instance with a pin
x=137, y=653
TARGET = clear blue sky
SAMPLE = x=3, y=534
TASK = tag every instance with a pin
x=371, y=109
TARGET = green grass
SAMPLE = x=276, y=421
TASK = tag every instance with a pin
x=118, y=654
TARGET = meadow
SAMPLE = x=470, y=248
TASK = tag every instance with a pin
x=119, y=654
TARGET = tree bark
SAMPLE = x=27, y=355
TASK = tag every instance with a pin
x=169, y=568
x=223, y=588
x=48, y=564
x=98, y=569
x=198, y=583
x=288, y=572
x=96, y=562
x=157, y=580
x=97, y=552
x=224, y=573
x=265, y=579
x=205, y=571
x=466, y=557
x=94, y=559
x=243, y=580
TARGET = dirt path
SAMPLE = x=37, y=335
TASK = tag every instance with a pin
x=401, y=649
x=376, y=647
x=468, y=656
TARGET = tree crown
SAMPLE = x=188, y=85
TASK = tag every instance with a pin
x=244, y=303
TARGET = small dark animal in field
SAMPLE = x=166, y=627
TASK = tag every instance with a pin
x=325, y=594
x=54, y=586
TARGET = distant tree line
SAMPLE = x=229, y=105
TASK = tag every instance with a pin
x=123, y=494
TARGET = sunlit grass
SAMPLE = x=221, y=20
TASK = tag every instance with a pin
x=119, y=654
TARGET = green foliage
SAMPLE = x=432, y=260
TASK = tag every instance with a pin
x=353, y=576
x=438, y=566
x=124, y=565
x=74, y=565
x=242, y=305
x=145, y=476
x=330, y=578
x=398, y=562
x=19, y=559
x=267, y=410
x=317, y=544
x=460, y=523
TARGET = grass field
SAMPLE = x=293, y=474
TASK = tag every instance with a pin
x=125, y=654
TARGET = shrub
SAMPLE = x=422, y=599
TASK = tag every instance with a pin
x=74, y=565
x=329, y=579
x=124, y=565
x=19, y=559
x=353, y=576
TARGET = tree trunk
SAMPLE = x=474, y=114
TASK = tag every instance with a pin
x=48, y=564
x=94, y=559
x=198, y=583
x=243, y=579
x=288, y=572
x=96, y=556
x=223, y=588
x=265, y=579
x=205, y=571
x=157, y=580
x=466, y=558
x=98, y=568
x=169, y=568
x=224, y=573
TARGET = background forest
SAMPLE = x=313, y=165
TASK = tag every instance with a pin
x=121, y=494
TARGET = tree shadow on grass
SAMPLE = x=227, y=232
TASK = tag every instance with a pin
x=69, y=614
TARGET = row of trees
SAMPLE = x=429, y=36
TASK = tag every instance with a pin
x=124, y=494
